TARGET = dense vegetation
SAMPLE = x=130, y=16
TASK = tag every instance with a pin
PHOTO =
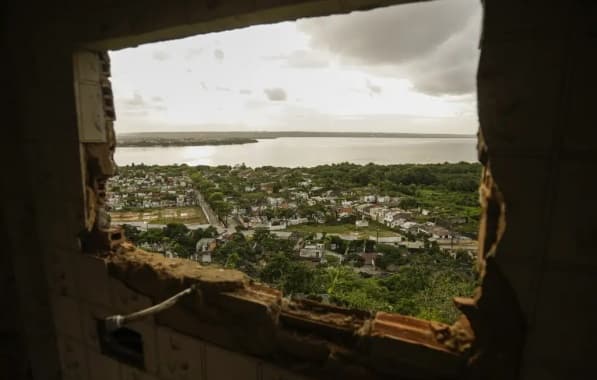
x=419, y=284
x=448, y=190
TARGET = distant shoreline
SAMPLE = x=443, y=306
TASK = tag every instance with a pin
x=141, y=142
x=169, y=139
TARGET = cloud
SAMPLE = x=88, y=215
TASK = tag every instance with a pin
x=160, y=55
x=137, y=106
x=192, y=53
x=219, y=55
x=373, y=88
x=302, y=59
x=135, y=113
x=433, y=44
x=275, y=94
x=135, y=101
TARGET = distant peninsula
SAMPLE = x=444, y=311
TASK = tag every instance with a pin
x=146, y=139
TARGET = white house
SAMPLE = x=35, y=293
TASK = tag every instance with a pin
x=205, y=245
x=390, y=216
x=375, y=212
x=300, y=195
x=296, y=221
x=361, y=223
x=397, y=223
x=413, y=245
x=369, y=198
x=312, y=251
x=276, y=227
x=437, y=232
x=275, y=201
x=408, y=225
x=388, y=240
x=383, y=199
x=206, y=258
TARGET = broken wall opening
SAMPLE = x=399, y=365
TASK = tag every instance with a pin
x=535, y=83
x=493, y=223
x=207, y=56
x=104, y=237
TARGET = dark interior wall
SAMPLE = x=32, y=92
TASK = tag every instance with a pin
x=114, y=25
x=41, y=206
x=535, y=84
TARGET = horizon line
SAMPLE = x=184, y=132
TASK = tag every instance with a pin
x=299, y=131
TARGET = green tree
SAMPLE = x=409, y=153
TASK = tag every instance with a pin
x=232, y=260
x=288, y=275
x=132, y=233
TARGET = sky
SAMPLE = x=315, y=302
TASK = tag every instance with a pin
x=408, y=68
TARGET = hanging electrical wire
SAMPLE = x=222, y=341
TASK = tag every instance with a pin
x=114, y=322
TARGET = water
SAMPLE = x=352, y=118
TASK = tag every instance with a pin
x=308, y=152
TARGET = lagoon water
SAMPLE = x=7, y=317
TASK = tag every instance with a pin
x=308, y=152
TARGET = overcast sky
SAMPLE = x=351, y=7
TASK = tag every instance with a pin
x=408, y=68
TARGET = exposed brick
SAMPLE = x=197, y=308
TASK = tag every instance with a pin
x=332, y=322
x=306, y=347
x=240, y=316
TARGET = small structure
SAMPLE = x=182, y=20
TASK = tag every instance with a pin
x=388, y=240
x=312, y=251
x=204, y=248
x=413, y=246
x=361, y=223
x=369, y=258
x=267, y=187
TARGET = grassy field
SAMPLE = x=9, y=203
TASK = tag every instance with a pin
x=449, y=204
x=161, y=216
x=371, y=230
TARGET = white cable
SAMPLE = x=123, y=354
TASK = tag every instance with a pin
x=114, y=322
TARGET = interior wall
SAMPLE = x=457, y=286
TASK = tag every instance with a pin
x=41, y=202
x=535, y=81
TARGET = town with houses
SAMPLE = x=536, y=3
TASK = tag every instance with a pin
x=392, y=238
x=301, y=210
x=136, y=190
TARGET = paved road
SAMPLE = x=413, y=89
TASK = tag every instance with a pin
x=211, y=216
